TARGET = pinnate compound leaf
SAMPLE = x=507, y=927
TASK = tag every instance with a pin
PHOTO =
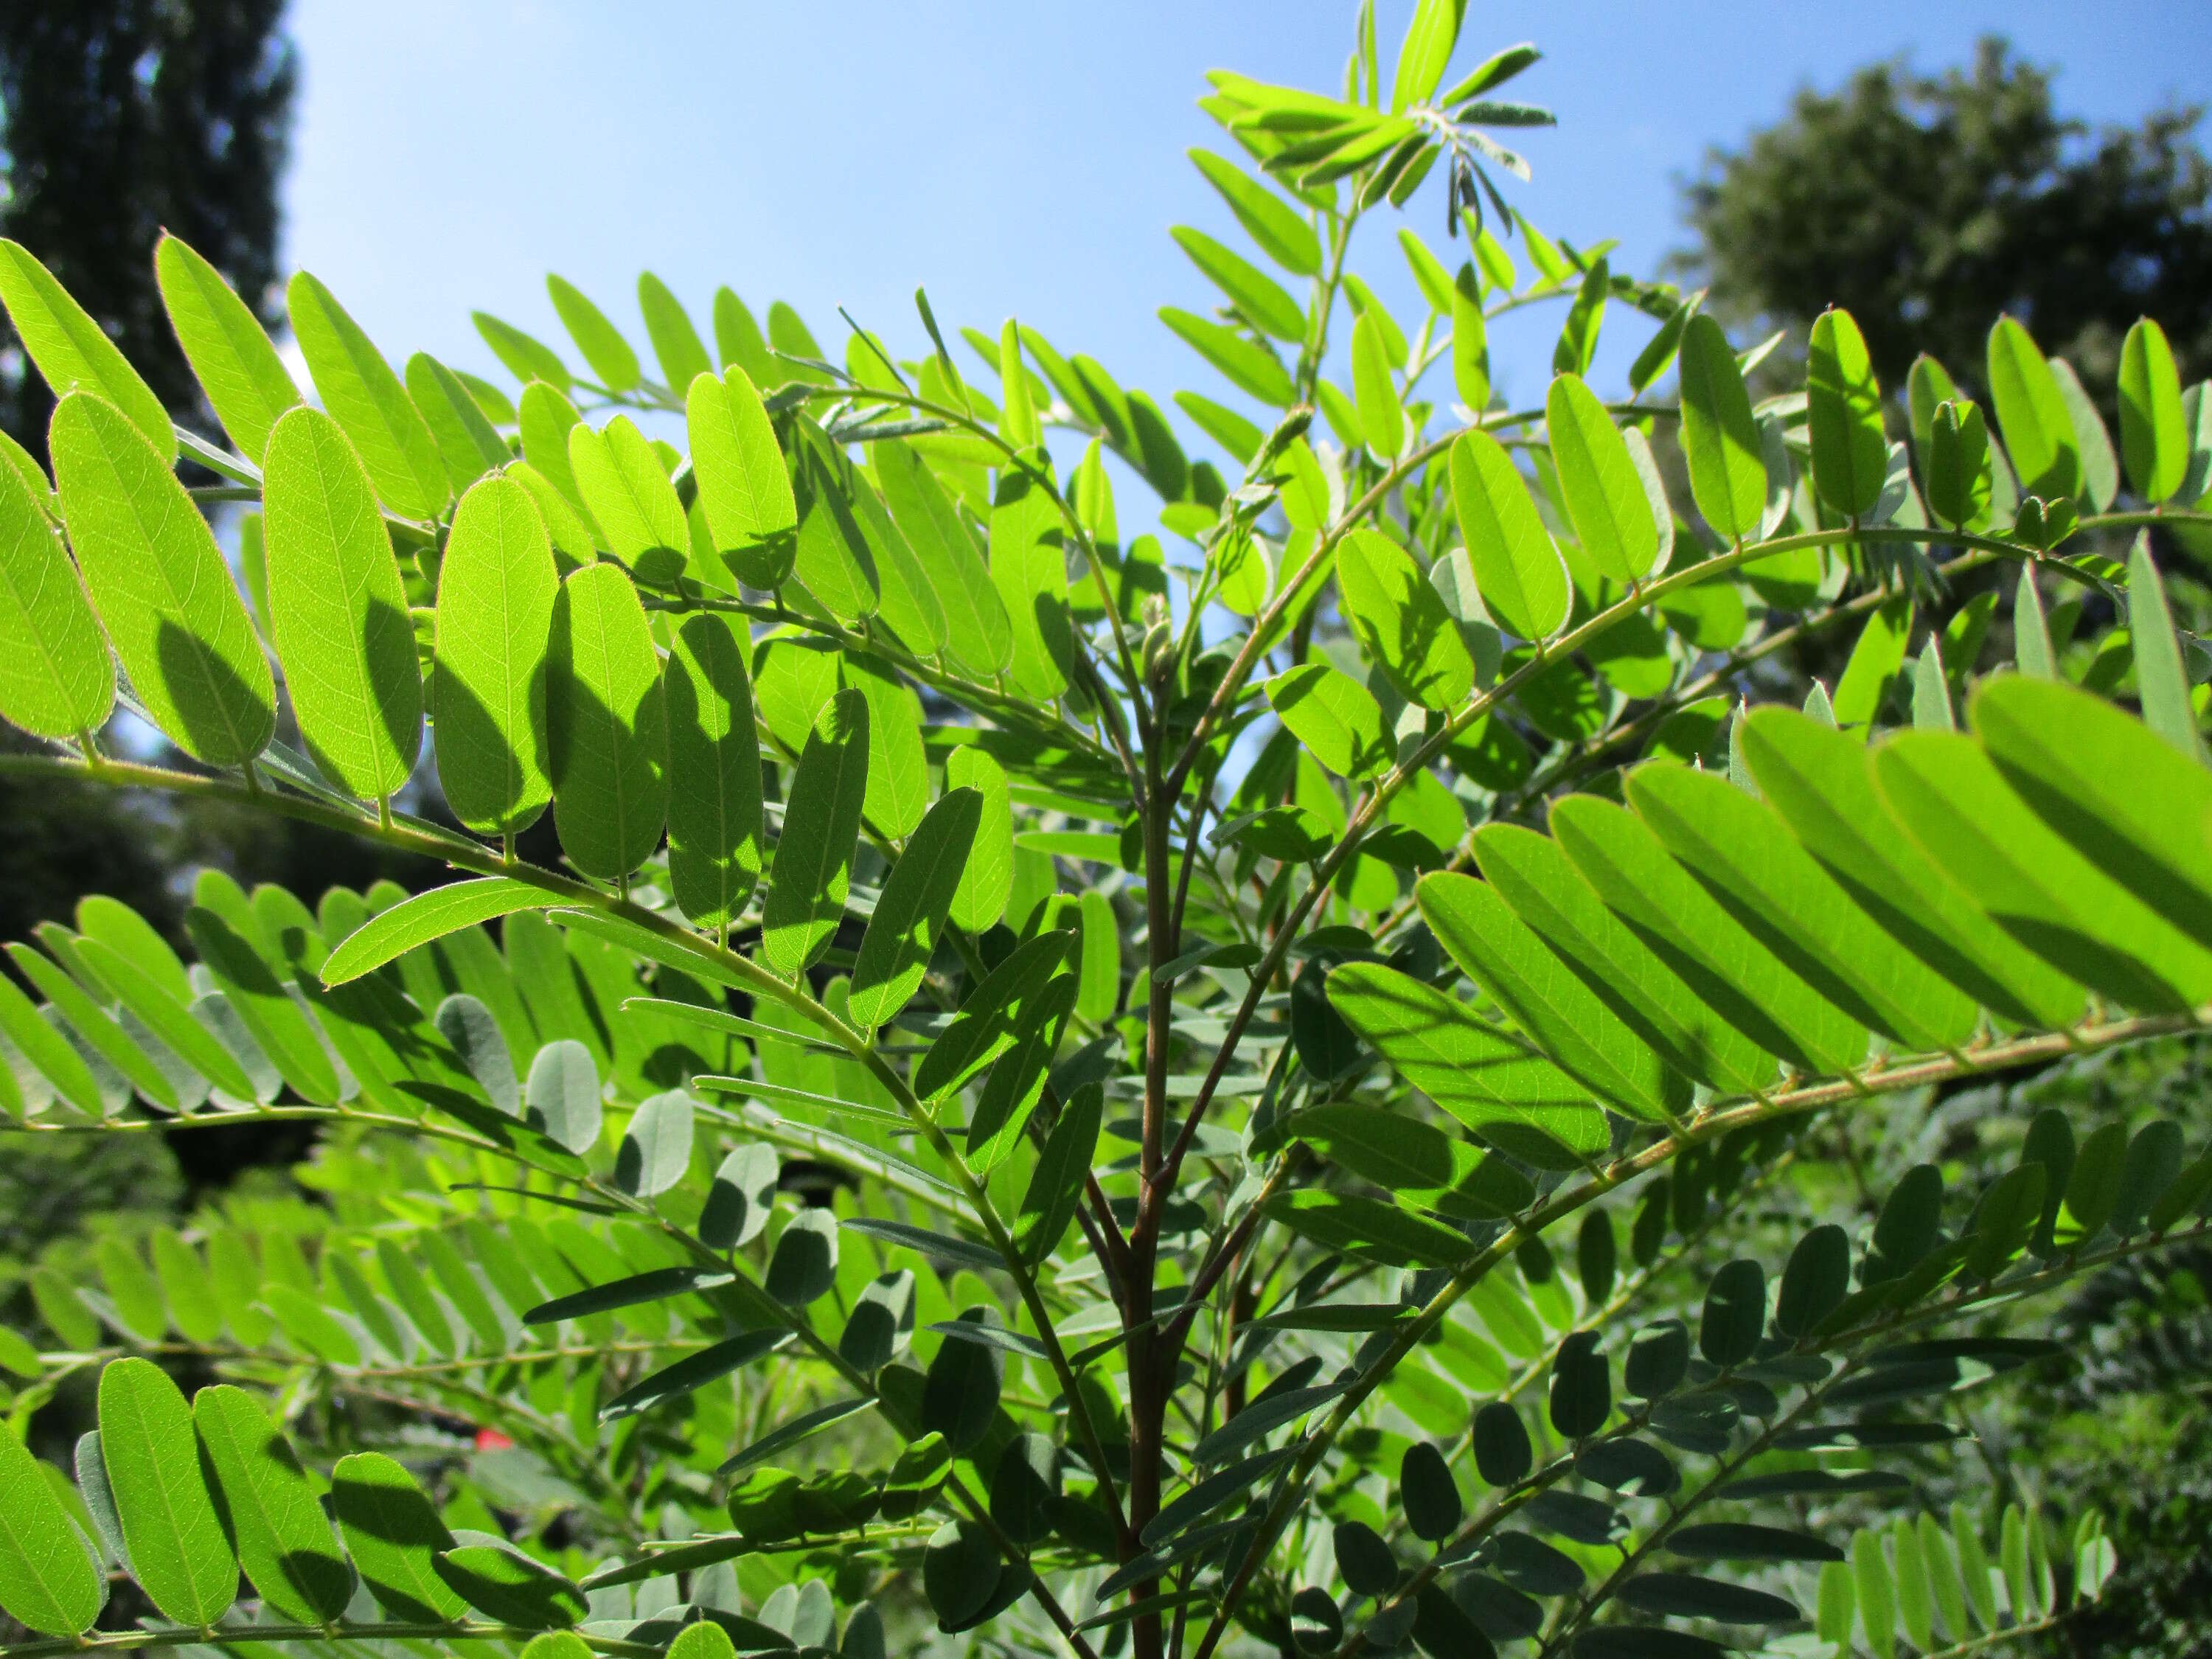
x=230, y=352
x=606, y=724
x=178, y=1551
x=367, y=401
x=46, y=1580
x=56, y=679
x=161, y=586
x=270, y=1510
x=813, y=867
x=1517, y=569
x=337, y=610
x=497, y=592
x=72, y=351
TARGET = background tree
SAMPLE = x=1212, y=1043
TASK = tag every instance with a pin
x=124, y=117
x=1925, y=204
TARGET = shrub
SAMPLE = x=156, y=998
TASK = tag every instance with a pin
x=1322, y=1092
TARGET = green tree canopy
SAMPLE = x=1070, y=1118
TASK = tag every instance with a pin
x=1927, y=203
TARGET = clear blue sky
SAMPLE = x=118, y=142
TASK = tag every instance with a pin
x=1024, y=159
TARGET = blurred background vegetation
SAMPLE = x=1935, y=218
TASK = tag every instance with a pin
x=1925, y=202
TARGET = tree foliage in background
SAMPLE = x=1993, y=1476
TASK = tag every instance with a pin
x=1316, y=1084
x=1926, y=205
x=125, y=118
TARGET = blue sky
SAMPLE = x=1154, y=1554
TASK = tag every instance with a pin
x=1022, y=160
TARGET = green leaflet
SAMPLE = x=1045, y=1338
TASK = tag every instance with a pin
x=1563, y=1018
x=898, y=771
x=72, y=351
x=978, y=634
x=1850, y=451
x=604, y=347
x=2101, y=468
x=497, y=589
x=1577, y=342
x=1606, y=499
x=1522, y=1103
x=575, y=537
x=907, y=601
x=1415, y=1160
x=1366, y=1228
x=1334, y=717
x=1723, y=965
x=367, y=401
x=1099, y=989
x=337, y=612
x=56, y=680
x=794, y=676
x=1943, y=790
x=1402, y=621
x=916, y=899
x=742, y=483
x=46, y=1580
x=987, y=879
x=53, y=1055
x=1029, y=569
x=1427, y=50
x=230, y=352
x=1470, y=343
x=161, y=586
x=1517, y=569
x=2065, y=754
x=262, y=1003
x=713, y=770
x=1017, y=1079
x=2153, y=437
x=167, y=1018
x=270, y=1510
x=1958, y=464
x=1772, y=886
x=1720, y=440
x=606, y=725
x=1251, y=368
x=676, y=342
x=1382, y=415
x=627, y=494
x=546, y=419
x=94, y=1025
x=833, y=560
x=1259, y=296
x=1862, y=694
x=2038, y=432
x=813, y=867
x=1055, y=1185
x=178, y=1552
x=525, y=357
x=1820, y=782
x=501, y=1583
x=2161, y=674
x=985, y=1027
x=427, y=916
x=738, y=344
x=1287, y=239
x=468, y=445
